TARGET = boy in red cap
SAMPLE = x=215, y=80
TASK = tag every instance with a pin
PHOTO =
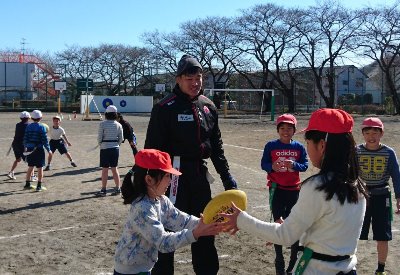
x=378, y=162
x=328, y=215
x=283, y=159
x=151, y=214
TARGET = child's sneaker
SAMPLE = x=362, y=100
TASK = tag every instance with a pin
x=47, y=168
x=73, y=164
x=11, y=176
x=34, y=178
x=116, y=192
x=380, y=273
x=102, y=193
x=38, y=188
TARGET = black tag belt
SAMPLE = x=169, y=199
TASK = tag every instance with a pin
x=325, y=257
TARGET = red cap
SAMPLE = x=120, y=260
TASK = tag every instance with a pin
x=333, y=121
x=155, y=159
x=372, y=122
x=286, y=118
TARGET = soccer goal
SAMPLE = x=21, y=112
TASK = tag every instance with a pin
x=250, y=100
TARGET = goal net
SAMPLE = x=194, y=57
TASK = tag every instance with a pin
x=243, y=100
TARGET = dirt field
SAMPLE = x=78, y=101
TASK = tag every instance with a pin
x=67, y=230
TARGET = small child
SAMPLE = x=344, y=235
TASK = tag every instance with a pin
x=57, y=142
x=151, y=213
x=35, y=141
x=283, y=159
x=109, y=137
x=18, y=145
x=129, y=134
x=378, y=162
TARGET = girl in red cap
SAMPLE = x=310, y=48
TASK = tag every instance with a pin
x=328, y=215
x=151, y=213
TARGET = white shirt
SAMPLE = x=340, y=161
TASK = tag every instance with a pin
x=326, y=227
x=56, y=133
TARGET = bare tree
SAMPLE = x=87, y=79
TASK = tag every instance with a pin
x=328, y=34
x=381, y=42
x=267, y=35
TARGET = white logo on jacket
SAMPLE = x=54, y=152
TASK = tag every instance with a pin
x=183, y=117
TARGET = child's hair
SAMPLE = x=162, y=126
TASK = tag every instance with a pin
x=110, y=115
x=132, y=190
x=339, y=166
x=25, y=119
x=289, y=124
x=371, y=128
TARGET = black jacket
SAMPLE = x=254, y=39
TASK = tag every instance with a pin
x=187, y=128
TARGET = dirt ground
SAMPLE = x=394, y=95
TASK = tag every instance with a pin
x=67, y=230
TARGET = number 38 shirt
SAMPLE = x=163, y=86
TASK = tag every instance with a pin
x=377, y=166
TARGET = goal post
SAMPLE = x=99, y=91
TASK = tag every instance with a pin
x=233, y=101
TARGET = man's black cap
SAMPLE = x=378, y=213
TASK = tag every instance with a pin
x=187, y=62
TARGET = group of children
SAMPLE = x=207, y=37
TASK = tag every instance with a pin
x=323, y=216
x=376, y=164
x=30, y=141
x=325, y=213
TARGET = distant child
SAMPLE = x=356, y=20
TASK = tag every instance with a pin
x=109, y=137
x=129, y=134
x=378, y=162
x=151, y=214
x=283, y=159
x=35, y=141
x=57, y=142
x=18, y=142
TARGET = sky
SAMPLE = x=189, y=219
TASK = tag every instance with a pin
x=48, y=26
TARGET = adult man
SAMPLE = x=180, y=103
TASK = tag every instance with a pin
x=185, y=124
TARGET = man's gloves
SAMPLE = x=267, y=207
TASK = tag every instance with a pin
x=229, y=182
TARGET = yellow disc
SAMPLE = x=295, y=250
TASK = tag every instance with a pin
x=222, y=203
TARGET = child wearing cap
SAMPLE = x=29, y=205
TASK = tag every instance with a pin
x=283, y=159
x=58, y=139
x=329, y=213
x=35, y=141
x=17, y=144
x=109, y=137
x=378, y=162
x=151, y=214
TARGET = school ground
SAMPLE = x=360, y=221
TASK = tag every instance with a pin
x=67, y=230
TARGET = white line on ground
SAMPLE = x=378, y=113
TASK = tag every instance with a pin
x=189, y=261
x=51, y=230
x=241, y=147
x=260, y=206
x=247, y=168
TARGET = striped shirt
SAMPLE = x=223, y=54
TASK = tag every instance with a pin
x=35, y=136
x=377, y=166
x=110, y=134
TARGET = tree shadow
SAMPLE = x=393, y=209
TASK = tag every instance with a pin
x=75, y=172
x=41, y=205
